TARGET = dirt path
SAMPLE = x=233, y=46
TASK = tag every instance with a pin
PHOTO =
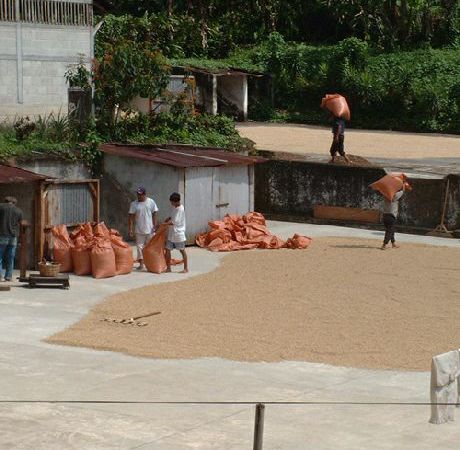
x=341, y=301
x=375, y=144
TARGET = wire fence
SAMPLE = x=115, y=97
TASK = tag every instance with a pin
x=260, y=407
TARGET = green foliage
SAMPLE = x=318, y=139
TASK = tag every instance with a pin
x=128, y=69
x=416, y=90
x=23, y=128
x=48, y=134
x=78, y=75
x=54, y=135
x=243, y=59
x=215, y=28
x=396, y=24
x=203, y=129
x=129, y=63
x=89, y=152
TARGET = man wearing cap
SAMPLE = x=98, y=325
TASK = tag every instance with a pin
x=142, y=221
x=10, y=221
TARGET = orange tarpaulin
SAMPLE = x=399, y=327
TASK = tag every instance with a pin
x=244, y=233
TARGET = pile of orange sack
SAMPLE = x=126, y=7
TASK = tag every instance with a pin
x=245, y=232
x=91, y=250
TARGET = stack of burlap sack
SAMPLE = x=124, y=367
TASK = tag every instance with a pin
x=91, y=250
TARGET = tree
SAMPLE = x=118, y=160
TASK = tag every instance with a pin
x=126, y=70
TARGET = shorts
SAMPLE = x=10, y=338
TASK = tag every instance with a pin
x=141, y=241
x=175, y=245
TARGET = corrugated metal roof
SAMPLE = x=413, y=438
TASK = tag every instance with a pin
x=180, y=155
x=9, y=174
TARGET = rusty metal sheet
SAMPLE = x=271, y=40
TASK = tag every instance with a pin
x=180, y=155
x=10, y=174
x=68, y=204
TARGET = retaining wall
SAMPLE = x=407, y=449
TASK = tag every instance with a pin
x=290, y=190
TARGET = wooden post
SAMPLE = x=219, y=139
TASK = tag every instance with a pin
x=259, y=426
x=40, y=223
x=95, y=190
x=23, y=252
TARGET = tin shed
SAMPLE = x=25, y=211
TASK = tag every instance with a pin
x=24, y=185
x=212, y=182
x=47, y=201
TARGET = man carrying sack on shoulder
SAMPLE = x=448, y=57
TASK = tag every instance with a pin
x=390, y=214
x=142, y=222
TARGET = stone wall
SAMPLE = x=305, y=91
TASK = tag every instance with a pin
x=291, y=189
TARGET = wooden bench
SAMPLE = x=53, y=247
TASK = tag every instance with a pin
x=346, y=214
x=36, y=280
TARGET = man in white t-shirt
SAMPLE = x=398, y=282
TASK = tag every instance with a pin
x=142, y=221
x=176, y=232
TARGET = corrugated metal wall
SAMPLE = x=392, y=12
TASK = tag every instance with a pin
x=213, y=192
x=69, y=204
x=201, y=198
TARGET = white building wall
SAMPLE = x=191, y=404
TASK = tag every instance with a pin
x=208, y=193
x=159, y=180
x=42, y=53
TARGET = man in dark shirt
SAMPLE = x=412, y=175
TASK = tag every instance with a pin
x=338, y=132
x=10, y=222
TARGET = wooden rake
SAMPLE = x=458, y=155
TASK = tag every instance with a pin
x=441, y=229
x=131, y=320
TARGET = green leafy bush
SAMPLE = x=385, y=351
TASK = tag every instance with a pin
x=416, y=90
x=203, y=129
x=47, y=134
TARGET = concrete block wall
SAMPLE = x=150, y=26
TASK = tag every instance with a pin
x=44, y=53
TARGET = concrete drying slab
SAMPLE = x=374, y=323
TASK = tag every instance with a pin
x=420, y=155
x=32, y=370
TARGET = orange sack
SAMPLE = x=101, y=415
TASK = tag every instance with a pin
x=101, y=230
x=61, y=247
x=245, y=233
x=81, y=256
x=154, y=251
x=337, y=105
x=123, y=254
x=388, y=185
x=103, y=259
x=84, y=229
